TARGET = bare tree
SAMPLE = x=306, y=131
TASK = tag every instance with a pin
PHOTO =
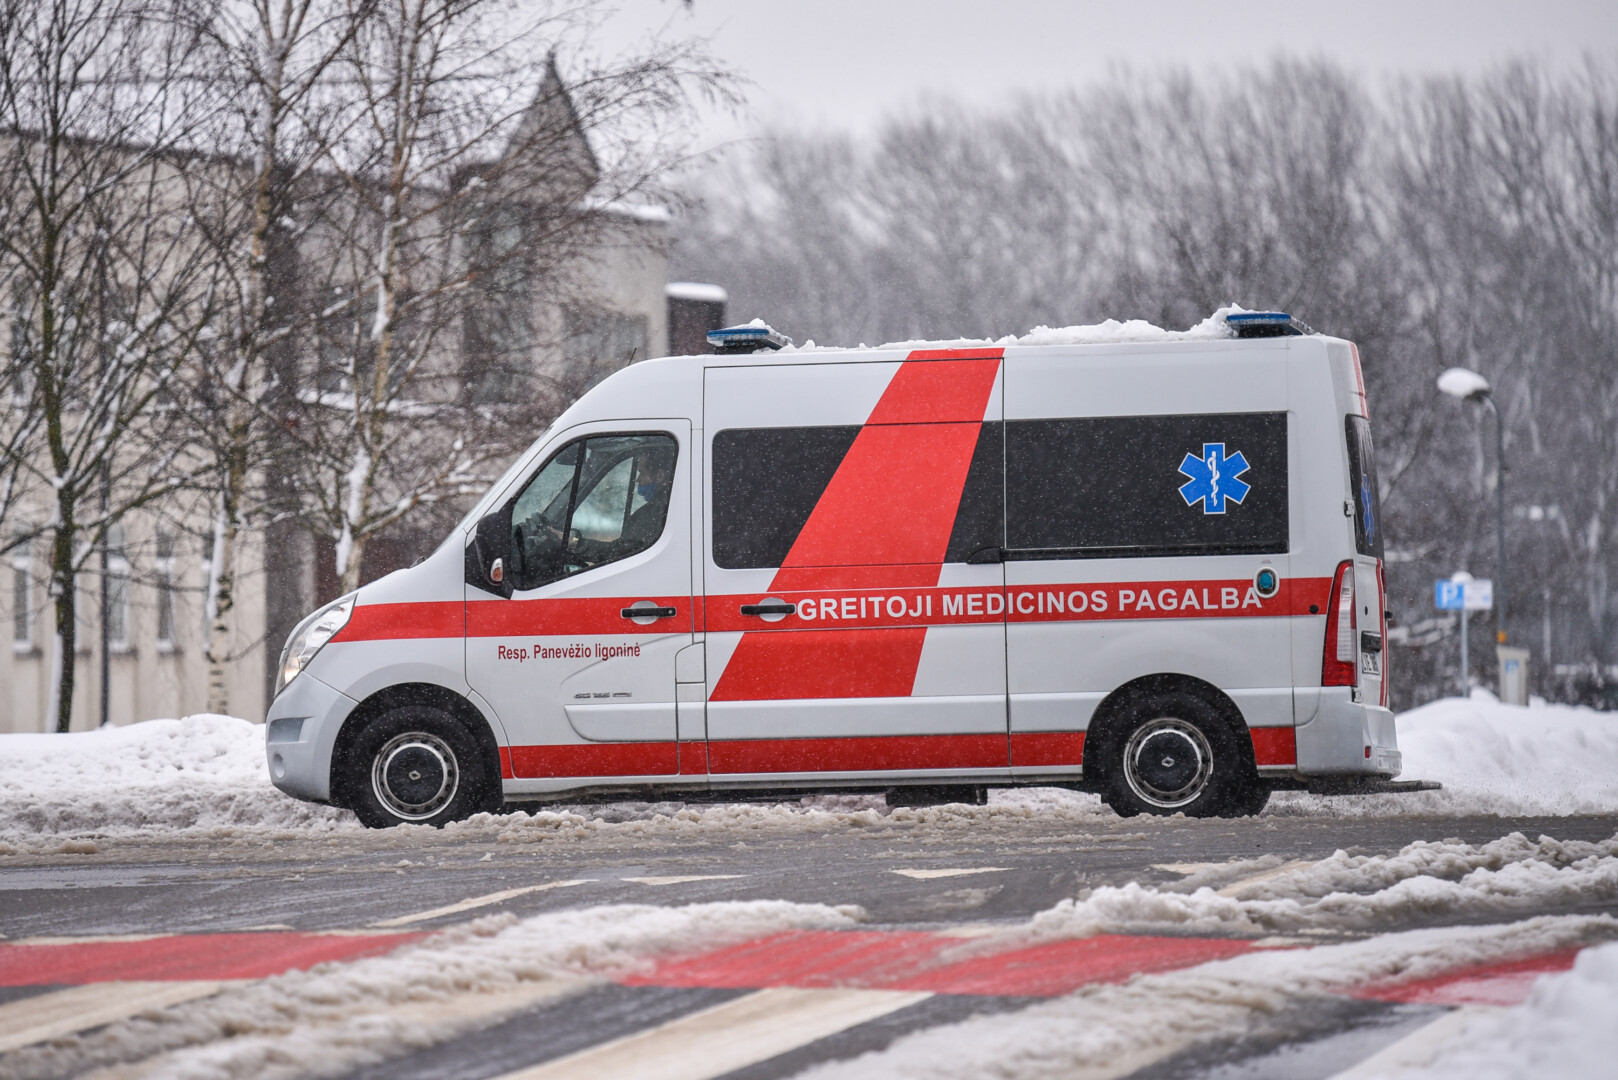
x=462, y=156
x=103, y=270
x=270, y=61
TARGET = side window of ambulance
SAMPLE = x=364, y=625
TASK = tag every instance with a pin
x=598, y=500
x=1133, y=486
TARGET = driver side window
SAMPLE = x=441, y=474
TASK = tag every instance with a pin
x=598, y=500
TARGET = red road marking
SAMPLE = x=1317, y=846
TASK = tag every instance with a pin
x=908, y=960
x=1486, y=984
x=184, y=957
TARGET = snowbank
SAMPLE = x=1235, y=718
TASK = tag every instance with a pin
x=1564, y=1029
x=1494, y=759
x=1423, y=882
x=203, y=773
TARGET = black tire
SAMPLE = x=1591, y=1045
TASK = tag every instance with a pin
x=416, y=765
x=1249, y=800
x=1175, y=753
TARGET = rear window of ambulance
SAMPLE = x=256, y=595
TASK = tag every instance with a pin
x=1362, y=488
x=1121, y=486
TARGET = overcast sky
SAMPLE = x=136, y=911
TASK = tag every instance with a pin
x=847, y=63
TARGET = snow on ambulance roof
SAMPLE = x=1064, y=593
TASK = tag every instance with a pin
x=1111, y=332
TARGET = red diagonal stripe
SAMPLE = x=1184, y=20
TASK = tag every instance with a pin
x=891, y=503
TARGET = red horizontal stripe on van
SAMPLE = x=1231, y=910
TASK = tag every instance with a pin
x=1047, y=748
x=388, y=622
x=1274, y=746
x=880, y=752
x=596, y=759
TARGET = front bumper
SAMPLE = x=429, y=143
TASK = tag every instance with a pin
x=301, y=730
x=1344, y=737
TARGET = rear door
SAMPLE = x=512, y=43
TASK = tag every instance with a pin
x=1369, y=586
x=847, y=631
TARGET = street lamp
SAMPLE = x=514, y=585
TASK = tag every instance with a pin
x=1470, y=386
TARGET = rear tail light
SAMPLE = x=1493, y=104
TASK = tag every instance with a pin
x=1339, y=660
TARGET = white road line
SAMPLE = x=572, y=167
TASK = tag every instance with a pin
x=1418, y=1049
x=57, y=1013
x=928, y=875
x=681, y=879
x=475, y=902
x=726, y=1037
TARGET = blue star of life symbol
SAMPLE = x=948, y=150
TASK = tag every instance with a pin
x=1367, y=510
x=1214, y=478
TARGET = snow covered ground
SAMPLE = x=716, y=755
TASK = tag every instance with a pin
x=204, y=776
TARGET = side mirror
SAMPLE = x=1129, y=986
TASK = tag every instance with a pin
x=489, y=562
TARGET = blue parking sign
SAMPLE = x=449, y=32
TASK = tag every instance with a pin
x=1449, y=595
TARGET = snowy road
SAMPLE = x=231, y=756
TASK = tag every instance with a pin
x=881, y=919
x=164, y=913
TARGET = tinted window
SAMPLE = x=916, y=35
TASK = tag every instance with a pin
x=1147, y=485
x=980, y=519
x=1362, y=488
x=596, y=501
x=766, y=482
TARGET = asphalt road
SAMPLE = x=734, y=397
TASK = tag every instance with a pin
x=905, y=876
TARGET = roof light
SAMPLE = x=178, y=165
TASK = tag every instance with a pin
x=1261, y=324
x=753, y=337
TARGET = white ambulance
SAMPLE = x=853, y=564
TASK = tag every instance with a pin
x=1150, y=569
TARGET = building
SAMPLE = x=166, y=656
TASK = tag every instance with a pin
x=143, y=623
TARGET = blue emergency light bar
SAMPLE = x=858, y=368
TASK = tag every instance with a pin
x=1261, y=324
x=752, y=337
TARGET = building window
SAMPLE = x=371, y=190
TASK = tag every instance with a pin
x=117, y=586
x=22, y=601
x=163, y=573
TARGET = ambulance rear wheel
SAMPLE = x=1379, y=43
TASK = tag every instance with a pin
x=416, y=765
x=1175, y=754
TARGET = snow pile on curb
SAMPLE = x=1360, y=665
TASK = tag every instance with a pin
x=337, y=1017
x=1493, y=759
x=1564, y=1029
x=204, y=773
x=1114, y=1030
x=1358, y=893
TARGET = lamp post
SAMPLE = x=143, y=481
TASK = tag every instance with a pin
x=1468, y=385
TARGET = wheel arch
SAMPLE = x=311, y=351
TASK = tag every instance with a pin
x=1106, y=725
x=400, y=694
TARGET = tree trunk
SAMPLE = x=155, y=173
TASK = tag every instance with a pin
x=64, y=589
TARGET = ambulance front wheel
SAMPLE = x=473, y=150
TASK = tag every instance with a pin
x=1174, y=753
x=417, y=765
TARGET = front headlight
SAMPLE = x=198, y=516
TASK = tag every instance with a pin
x=310, y=637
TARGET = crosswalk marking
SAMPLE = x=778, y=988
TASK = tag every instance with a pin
x=1239, y=884
x=727, y=1037
x=680, y=879
x=56, y=1013
x=476, y=902
x=928, y=875
x=1418, y=1049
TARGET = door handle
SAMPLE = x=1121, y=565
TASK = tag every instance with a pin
x=649, y=612
x=777, y=608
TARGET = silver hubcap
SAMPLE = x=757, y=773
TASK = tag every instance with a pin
x=415, y=775
x=1168, y=763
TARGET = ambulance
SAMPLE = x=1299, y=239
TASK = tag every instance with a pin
x=1150, y=569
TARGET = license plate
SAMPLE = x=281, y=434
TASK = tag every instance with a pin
x=1371, y=663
